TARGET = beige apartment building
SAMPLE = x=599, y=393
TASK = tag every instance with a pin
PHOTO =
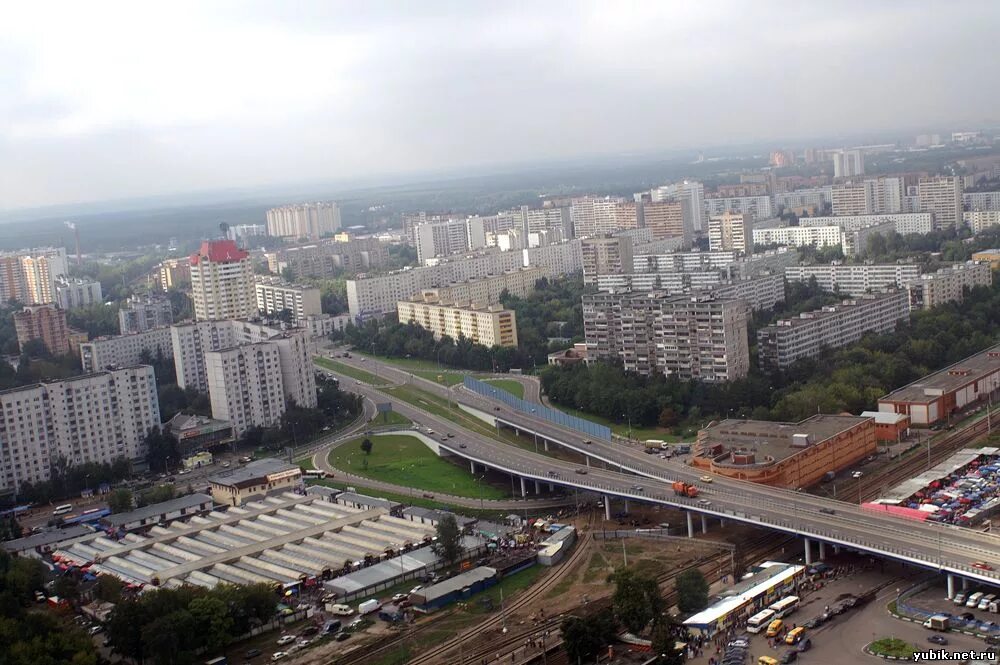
x=307, y=220
x=947, y=284
x=175, y=273
x=730, y=232
x=667, y=219
x=606, y=255
x=942, y=195
x=222, y=282
x=274, y=296
x=490, y=325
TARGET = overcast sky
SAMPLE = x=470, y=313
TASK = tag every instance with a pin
x=110, y=100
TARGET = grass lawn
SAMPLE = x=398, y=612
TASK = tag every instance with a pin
x=891, y=646
x=444, y=378
x=306, y=463
x=622, y=429
x=416, y=500
x=406, y=461
x=440, y=407
x=515, y=388
x=347, y=370
x=390, y=418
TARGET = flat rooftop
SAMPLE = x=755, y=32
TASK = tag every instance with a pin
x=278, y=540
x=774, y=439
x=866, y=300
x=252, y=471
x=968, y=370
x=156, y=509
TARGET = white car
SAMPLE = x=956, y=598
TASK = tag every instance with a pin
x=417, y=588
x=285, y=639
x=278, y=655
x=341, y=610
x=398, y=597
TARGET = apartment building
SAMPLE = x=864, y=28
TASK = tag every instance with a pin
x=667, y=219
x=557, y=259
x=222, y=282
x=886, y=194
x=788, y=340
x=489, y=325
x=140, y=313
x=274, y=296
x=694, y=337
x=29, y=276
x=683, y=261
x=947, y=284
x=760, y=292
x=942, y=195
x=799, y=236
x=175, y=273
x=75, y=292
x=598, y=215
x=690, y=191
x=126, y=350
x=903, y=223
x=306, y=220
x=850, y=199
x=605, y=255
x=98, y=417
x=978, y=220
x=853, y=279
x=758, y=207
x=245, y=386
x=46, y=323
x=192, y=342
x=329, y=258
x=981, y=200
x=241, y=233
x=445, y=238
x=847, y=163
x=813, y=199
x=487, y=290
x=730, y=232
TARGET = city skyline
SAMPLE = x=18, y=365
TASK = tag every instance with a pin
x=260, y=97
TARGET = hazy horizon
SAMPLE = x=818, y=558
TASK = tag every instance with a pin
x=122, y=101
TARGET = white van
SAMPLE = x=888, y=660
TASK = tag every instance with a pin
x=984, y=602
x=974, y=599
x=959, y=598
x=63, y=509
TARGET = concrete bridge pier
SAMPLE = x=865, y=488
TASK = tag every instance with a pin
x=472, y=467
x=552, y=488
x=545, y=443
x=538, y=487
x=626, y=507
x=690, y=525
x=524, y=490
x=704, y=524
x=822, y=551
x=965, y=584
x=607, y=507
x=951, y=586
x=808, y=549
x=722, y=523
x=588, y=461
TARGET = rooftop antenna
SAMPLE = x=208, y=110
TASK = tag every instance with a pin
x=76, y=233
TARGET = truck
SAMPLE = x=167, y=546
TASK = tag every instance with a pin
x=655, y=444
x=685, y=489
x=369, y=606
x=937, y=622
x=682, y=448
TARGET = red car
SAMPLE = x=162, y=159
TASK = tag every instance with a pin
x=982, y=566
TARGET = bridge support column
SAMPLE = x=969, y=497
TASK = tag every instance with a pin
x=722, y=523
x=626, y=506
x=822, y=551
x=836, y=549
x=965, y=584
x=588, y=461
x=524, y=490
x=808, y=549
x=690, y=525
x=538, y=487
x=607, y=507
x=704, y=524
x=472, y=467
x=951, y=586
x=552, y=488
x=545, y=442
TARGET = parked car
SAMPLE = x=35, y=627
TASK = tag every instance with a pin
x=341, y=636
x=789, y=656
x=937, y=639
x=805, y=645
x=309, y=630
x=417, y=588
x=251, y=653
x=285, y=639
x=278, y=655
x=398, y=597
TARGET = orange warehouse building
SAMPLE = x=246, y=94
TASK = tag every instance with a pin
x=789, y=455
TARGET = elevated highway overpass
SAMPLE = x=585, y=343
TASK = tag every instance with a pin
x=641, y=477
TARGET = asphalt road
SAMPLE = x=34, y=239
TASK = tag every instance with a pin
x=932, y=545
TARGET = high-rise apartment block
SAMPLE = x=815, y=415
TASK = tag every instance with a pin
x=848, y=163
x=274, y=296
x=141, y=313
x=761, y=292
x=598, y=215
x=788, y=340
x=75, y=292
x=490, y=326
x=242, y=232
x=46, y=323
x=125, y=350
x=981, y=200
x=694, y=337
x=855, y=279
x=903, y=223
x=434, y=239
x=175, y=273
x=97, y=417
x=886, y=194
x=606, y=255
x=29, y=276
x=730, y=232
x=942, y=195
x=667, y=219
x=977, y=220
x=947, y=284
x=222, y=282
x=329, y=258
x=306, y=220
x=758, y=207
x=689, y=190
x=850, y=199
x=245, y=386
x=800, y=201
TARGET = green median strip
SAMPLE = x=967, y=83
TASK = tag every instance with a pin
x=515, y=388
x=348, y=370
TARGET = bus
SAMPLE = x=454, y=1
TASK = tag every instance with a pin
x=314, y=473
x=759, y=621
x=63, y=509
x=785, y=606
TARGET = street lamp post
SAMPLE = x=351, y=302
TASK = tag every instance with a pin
x=629, y=417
